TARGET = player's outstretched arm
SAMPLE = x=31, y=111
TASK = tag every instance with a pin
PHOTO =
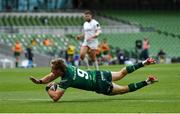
x=46, y=79
x=34, y=80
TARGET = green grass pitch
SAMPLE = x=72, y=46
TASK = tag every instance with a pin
x=18, y=94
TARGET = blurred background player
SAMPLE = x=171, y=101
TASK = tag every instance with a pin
x=70, y=54
x=91, y=31
x=161, y=56
x=76, y=59
x=146, y=46
x=138, y=49
x=48, y=42
x=17, y=49
x=29, y=55
x=105, y=51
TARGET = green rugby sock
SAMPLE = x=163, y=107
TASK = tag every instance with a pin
x=136, y=86
x=132, y=68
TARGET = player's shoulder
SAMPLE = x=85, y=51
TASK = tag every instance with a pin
x=68, y=69
x=94, y=21
x=70, y=66
x=85, y=22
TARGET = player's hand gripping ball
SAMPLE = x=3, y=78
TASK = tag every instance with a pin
x=52, y=86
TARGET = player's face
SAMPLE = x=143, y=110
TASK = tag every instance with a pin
x=87, y=17
x=54, y=70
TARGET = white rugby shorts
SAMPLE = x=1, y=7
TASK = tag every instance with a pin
x=91, y=44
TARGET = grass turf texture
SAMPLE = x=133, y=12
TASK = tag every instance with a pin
x=18, y=94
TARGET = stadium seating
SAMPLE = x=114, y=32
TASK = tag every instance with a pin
x=161, y=20
x=165, y=37
x=126, y=41
x=43, y=21
x=59, y=42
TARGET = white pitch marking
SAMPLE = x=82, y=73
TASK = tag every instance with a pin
x=161, y=101
x=23, y=99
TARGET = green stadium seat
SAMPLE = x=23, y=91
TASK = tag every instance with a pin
x=127, y=41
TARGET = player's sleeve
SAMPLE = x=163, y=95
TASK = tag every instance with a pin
x=63, y=85
x=97, y=26
x=83, y=28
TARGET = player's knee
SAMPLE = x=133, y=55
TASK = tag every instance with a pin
x=123, y=72
x=82, y=56
x=93, y=59
x=119, y=75
x=123, y=91
x=119, y=90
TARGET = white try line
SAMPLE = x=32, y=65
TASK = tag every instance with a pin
x=91, y=113
x=140, y=100
x=24, y=99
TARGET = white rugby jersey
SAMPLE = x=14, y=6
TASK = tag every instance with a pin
x=90, y=28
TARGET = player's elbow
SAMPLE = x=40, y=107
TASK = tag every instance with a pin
x=99, y=32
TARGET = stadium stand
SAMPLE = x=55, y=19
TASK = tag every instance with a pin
x=165, y=33
x=163, y=21
x=8, y=20
x=59, y=42
x=126, y=41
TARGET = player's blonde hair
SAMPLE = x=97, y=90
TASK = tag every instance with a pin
x=59, y=64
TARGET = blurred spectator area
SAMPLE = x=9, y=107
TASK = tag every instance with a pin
x=44, y=19
x=125, y=41
x=163, y=22
x=56, y=5
x=34, y=5
x=40, y=19
x=60, y=42
x=121, y=28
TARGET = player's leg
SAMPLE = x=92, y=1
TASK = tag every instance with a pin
x=70, y=59
x=117, y=89
x=93, y=46
x=16, y=61
x=83, y=52
x=129, y=69
x=16, y=55
x=92, y=54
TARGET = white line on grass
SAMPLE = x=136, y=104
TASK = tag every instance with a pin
x=24, y=99
x=154, y=100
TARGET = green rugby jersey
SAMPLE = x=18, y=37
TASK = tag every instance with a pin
x=77, y=78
